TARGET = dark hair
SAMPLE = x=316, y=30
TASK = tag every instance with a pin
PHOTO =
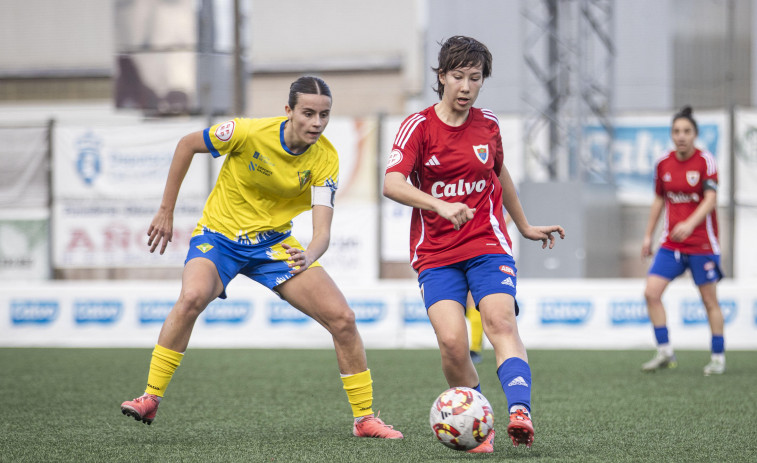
x=686, y=113
x=459, y=52
x=309, y=85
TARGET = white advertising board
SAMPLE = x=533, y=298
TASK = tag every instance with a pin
x=555, y=314
x=130, y=161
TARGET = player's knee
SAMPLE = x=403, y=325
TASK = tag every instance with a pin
x=500, y=328
x=191, y=302
x=342, y=323
x=452, y=346
x=652, y=297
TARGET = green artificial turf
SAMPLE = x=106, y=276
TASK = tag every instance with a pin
x=289, y=406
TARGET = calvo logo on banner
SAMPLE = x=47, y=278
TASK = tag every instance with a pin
x=88, y=158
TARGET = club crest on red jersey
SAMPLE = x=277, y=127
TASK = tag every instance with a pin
x=692, y=176
x=482, y=152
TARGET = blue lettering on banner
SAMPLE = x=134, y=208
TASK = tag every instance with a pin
x=368, y=311
x=97, y=311
x=565, y=312
x=282, y=312
x=225, y=311
x=629, y=312
x=635, y=150
x=34, y=311
x=415, y=311
x=153, y=311
x=694, y=313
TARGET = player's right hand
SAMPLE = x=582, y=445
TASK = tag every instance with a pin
x=161, y=231
x=457, y=213
x=646, y=248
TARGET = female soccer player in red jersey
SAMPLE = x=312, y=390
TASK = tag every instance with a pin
x=686, y=185
x=246, y=229
x=452, y=153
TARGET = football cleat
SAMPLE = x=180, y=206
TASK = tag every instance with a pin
x=372, y=426
x=487, y=446
x=659, y=362
x=142, y=408
x=715, y=367
x=520, y=429
x=475, y=356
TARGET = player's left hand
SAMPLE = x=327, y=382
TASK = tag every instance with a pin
x=544, y=233
x=298, y=259
x=681, y=231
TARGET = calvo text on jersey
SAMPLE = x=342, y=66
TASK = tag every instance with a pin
x=461, y=188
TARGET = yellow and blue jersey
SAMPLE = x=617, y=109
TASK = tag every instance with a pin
x=262, y=184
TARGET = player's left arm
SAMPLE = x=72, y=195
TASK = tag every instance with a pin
x=543, y=233
x=300, y=260
x=685, y=228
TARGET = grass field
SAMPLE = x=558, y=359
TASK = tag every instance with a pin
x=288, y=406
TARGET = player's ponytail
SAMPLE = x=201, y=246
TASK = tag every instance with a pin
x=687, y=113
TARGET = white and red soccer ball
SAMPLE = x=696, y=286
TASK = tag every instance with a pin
x=461, y=418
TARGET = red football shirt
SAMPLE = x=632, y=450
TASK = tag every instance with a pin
x=455, y=164
x=681, y=185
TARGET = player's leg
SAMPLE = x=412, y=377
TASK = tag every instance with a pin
x=315, y=294
x=448, y=320
x=513, y=370
x=705, y=269
x=666, y=266
x=476, y=329
x=716, y=366
x=492, y=279
x=200, y=285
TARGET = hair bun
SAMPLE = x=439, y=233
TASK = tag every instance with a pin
x=686, y=111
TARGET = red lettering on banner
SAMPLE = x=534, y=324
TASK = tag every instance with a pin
x=117, y=237
x=80, y=239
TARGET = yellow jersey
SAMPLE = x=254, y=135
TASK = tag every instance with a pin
x=262, y=185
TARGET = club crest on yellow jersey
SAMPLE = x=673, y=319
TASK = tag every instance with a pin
x=304, y=177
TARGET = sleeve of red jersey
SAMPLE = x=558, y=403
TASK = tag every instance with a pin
x=658, y=185
x=499, y=154
x=711, y=170
x=406, y=147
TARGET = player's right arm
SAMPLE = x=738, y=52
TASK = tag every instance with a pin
x=161, y=228
x=654, y=215
x=396, y=188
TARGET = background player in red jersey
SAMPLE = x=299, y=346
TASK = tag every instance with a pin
x=452, y=153
x=686, y=185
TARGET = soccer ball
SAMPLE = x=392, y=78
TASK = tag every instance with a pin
x=461, y=418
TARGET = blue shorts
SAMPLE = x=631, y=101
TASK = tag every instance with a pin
x=669, y=264
x=264, y=262
x=481, y=275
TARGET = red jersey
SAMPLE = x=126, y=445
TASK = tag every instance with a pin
x=455, y=164
x=681, y=185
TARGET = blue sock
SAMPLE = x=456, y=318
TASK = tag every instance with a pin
x=661, y=334
x=478, y=388
x=718, y=344
x=515, y=376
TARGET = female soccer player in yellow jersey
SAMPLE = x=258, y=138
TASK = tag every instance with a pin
x=275, y=168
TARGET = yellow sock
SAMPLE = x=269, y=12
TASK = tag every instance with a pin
x=162, y=367
x=476, y=329
x=359, y=393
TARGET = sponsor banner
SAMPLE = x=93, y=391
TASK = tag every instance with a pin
x=113, y=233
x=745, y=159
x=122, y=161
x=555, y=314
x=641, y=140
x=24, y=246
